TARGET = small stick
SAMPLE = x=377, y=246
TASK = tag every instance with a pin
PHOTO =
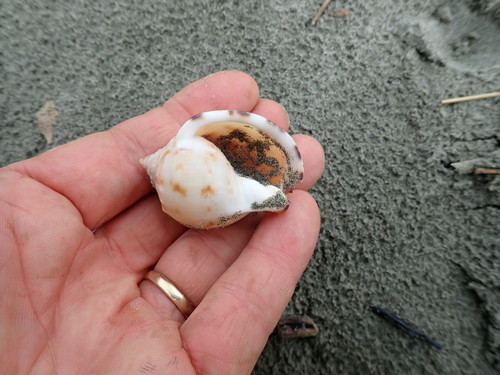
x=480, y=170
x=342, y=12
x=296, y=326
x=320, y=12
x=471, y=97
x=404, y=326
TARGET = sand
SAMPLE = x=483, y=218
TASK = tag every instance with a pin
x=401, y=228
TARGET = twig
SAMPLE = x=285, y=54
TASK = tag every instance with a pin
x=320, y=12
x=472, y=97
x=296, y=326
x=404, y=326
x=480, y=170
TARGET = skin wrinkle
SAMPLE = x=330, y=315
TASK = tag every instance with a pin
x=278, y=259
x=112, y=321
x=6, y=257
x=20, y=169
x=40, y=356
x=251, y=94
x=258, y=308
x=112, y=315
x=127, y=145
x=216, y=250
x=126, y=311
x=145, y=248
x=29, y=295
x=32, y=310
x=200, y=354
x=52, y=356
x=21, y=174
x=178, y=104
x=194, y=259
x=125, y=299
x=196, y=367
x=114, y=248
x=119, y=231
x=103, y=354
x=122, y=141
x=197, y=356
x=58, y=292
x=204, y=238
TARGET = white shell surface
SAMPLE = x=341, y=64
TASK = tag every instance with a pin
x=222, y=165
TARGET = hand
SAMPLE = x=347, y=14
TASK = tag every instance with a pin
x=80, y=227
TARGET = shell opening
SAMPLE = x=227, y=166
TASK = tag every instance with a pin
x=252, y=152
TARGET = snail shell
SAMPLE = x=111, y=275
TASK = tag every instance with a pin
x=222, y=165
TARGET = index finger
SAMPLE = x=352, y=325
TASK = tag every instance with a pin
x=104, y=167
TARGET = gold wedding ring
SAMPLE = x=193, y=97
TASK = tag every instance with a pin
x=171, y=291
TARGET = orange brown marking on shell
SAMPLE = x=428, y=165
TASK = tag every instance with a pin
x=179, y=189
x=159, y=180
x=206, y=191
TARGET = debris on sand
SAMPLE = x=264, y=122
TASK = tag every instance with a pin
x=475, y=166
x=341, y=13
x=46, y=118
x=471, y=97
x=296, y=326
x=405, y=326
x=320, y=12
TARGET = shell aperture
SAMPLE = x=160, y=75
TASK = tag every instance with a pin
x=222, y=165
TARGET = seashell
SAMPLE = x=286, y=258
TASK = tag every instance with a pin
x=221, y=166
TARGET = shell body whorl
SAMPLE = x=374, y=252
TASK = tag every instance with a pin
x=222, y=165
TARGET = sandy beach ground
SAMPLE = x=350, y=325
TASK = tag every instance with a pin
x=401, y=228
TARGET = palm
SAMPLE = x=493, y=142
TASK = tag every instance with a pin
x=80, y=229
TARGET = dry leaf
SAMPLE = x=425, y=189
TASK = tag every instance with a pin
x=46, y=118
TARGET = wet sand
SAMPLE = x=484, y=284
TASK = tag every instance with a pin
x=401, y=228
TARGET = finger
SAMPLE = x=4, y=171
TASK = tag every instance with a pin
x=313, y=158
x=242, y=308
x=104, y=167
x=222, y=90
x=272, y=111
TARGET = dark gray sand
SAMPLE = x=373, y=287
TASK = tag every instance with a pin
x=401, y=228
